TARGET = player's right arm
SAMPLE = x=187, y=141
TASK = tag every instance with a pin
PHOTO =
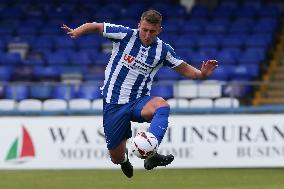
x=84, y=29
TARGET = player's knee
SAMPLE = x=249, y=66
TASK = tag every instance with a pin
x=160, y=102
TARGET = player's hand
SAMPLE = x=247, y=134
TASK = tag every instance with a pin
x=208, y=67
x=73, y=33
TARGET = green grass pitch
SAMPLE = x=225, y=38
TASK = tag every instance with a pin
x=142, y=179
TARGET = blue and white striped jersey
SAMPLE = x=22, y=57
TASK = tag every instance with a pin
x=132, y=66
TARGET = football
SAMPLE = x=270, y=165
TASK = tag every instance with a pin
x=144, y=144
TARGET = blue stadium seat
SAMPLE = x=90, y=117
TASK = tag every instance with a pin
x=228, y=56
x=207, y=41
x=27, y=30
x=80, y=58
x=40, y=91
x=57, y=58
x=167, y=74
x=199, y=11
x=220, y=74
x=209, y=52
x=245, y=11
x=216, y=28
x=89, y=42
x=22, y=73
x=64, y=42
x=234, y=40
x=5, y=73
x=171, y=28
x=165, y=91
x=237, y=88
x=265, y=26
x=192, y=28
x=184, y=41
x=259, y=40
x=269, y=10
x=197, y=58
x=44, y=42
x=50, y=30
x=65, y=92
x=241, y=73
x=10, y=58
x=222, y=12
x=32, y=61
x=252, y=56
x=46, y=73
x=101, y=58
x=89, y=91
x=17, y=92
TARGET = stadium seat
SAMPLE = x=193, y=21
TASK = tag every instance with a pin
x=89, y=91
x=185, y=89
x=64, y=42
x=97, y=104
x=65, y=92
x=22, y=73
x=30, y=105
x=226, y=102
x=252, y=56
x=209, y=89
x=8, y=104
x=165, y=91
x=10, y=59
x=54, y=105
x=80, y=58
x=79, y=104
x=201, y=103
x=5, y=73
x=220, y=74
x=227, y=57
x=178, y=102
x=207, y=41
x=43, y=42
x=16, y=92
x=57, y=58
x=166, y=74
x=40, y=91
x=233, y=40
x=46, y=73
x=258, y=40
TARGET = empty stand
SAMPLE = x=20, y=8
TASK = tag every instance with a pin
x=239, y=34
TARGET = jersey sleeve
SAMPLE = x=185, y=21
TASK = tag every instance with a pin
x=115, y=32
x=171, y=59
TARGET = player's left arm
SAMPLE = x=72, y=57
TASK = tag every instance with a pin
x=191, y=72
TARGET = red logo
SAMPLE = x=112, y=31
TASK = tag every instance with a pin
x=128, y=58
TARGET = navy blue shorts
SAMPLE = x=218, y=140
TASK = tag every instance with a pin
x=117, y=117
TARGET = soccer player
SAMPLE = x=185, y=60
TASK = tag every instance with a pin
x=136, y=57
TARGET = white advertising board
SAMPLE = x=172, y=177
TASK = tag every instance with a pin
x=197, y=141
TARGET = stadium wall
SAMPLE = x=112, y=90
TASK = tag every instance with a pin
x=197, y=141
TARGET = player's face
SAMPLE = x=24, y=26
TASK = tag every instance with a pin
x=148, y=32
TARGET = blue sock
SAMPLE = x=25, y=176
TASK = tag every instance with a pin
x=159, y=124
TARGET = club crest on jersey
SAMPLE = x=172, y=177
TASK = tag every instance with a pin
x=128, y=58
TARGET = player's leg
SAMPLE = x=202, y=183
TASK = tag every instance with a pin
x=119, y=155
x=156, y=110
x=117, y=129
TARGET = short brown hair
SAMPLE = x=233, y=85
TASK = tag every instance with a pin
x=152, y=16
